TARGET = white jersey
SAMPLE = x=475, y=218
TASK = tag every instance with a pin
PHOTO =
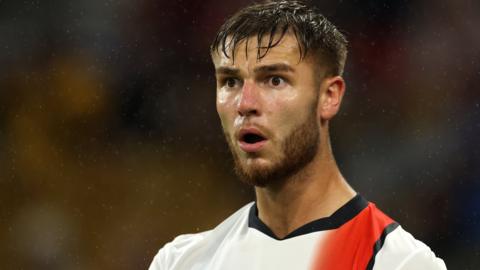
x=356, y=236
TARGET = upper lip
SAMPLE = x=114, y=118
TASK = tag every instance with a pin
x=249, y=130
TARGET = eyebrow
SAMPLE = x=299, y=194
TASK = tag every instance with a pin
x=273, y=68
x=227, y=71
x=261, y=69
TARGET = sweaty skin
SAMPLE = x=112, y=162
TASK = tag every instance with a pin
x=276, y=95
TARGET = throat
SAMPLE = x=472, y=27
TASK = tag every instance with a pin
x=301, y=200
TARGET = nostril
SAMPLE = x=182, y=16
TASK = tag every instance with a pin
x=247, y=112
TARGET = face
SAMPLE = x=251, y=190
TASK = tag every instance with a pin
x=268, y=110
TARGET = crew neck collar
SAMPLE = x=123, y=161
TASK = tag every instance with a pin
x=345, y=213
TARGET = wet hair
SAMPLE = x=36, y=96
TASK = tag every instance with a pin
x=315, y=35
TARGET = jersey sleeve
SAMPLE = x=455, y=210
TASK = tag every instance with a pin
x=401, y=251
x=422, y=259
x=170, y=255
x=159, y=261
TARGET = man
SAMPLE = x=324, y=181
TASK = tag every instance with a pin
x=278, y=67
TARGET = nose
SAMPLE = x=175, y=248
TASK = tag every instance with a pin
x=248, y=103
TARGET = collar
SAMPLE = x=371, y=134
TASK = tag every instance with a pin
x=345, y=213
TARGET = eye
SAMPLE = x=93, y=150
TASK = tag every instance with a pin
x=231, y=82
x=276, y=82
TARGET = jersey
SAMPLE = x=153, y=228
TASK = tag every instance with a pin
x=357, y=236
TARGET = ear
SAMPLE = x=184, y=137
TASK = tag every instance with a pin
x=332, y=91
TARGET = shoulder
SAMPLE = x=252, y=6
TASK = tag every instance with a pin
x=185, y=246
x=166, y=255
x=403, y=252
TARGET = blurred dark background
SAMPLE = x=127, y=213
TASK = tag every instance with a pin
x=110, y=144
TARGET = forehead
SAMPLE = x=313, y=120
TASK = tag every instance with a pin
x=287, y=51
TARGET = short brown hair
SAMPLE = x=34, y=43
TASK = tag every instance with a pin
x=315, y=34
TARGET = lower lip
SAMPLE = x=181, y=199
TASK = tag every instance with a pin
x=252, y=147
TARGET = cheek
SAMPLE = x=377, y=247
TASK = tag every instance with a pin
x=289, y=112
x=224, y=107
x=222, y=97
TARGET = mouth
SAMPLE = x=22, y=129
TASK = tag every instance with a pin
x=251, y=140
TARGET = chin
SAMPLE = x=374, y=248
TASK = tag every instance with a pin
x=257, y=173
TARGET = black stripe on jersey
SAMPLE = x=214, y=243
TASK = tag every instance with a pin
x=379, y=243
x=337, y=219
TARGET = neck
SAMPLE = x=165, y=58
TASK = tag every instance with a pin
x=317, y=191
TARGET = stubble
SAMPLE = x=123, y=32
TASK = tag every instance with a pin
x=298, y=149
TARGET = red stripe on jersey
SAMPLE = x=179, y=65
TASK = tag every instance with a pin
x=351, y=245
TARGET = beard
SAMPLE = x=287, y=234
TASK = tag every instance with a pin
x=298, y=149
